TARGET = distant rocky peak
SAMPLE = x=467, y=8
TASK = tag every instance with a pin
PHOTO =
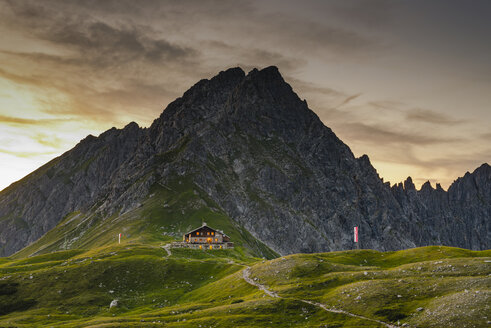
x=427, y=186
x=364, y=160
x=472, y=184
x=409, y=184
x=484, y=170
x=482, y=173
x=132, y=126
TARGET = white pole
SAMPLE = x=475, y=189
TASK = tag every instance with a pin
x=119, y=240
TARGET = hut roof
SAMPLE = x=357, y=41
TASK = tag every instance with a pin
x=205, y=225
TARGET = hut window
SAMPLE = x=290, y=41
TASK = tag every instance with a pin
x=212, y=233
x=208, y=233
x=197, y=234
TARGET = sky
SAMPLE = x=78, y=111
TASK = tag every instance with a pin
x=406, y=82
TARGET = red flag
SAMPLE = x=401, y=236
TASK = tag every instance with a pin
x=356, y=234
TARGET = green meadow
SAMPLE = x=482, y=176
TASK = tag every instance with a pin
x=71, y=275
x=422, y=287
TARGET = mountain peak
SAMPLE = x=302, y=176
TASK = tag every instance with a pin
x=270, y=73
x=483, y=168
x=269, y=78
x=409, y=184
x=427, y=186
x=222, y=81
x=131, y=126
x=248, y=145
x=233, y=73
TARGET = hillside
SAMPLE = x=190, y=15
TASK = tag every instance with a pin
x=246, y=154
x=167, y=212
x=422, y=287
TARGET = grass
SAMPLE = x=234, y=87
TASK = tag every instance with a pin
x=74, y=288
x=389, y=286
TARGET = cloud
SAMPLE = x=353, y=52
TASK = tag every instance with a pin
x=104, y=71
x=26, y=121
x=49, y=140
x=110, y=54
x=462, y=163
x=308, y=87
x=390, y=105
x=56, y=94
x=97, y=43
x=85, y=38
x=376, y=134
x=318, y=38
x=104, y=45
x=335, y=39
x=486, y=136
x=325, y=101
x=230, y=54
x=25, y=154
x=429, y=116
x=372, y=14
x=409, y=156
x=349, y=99
x=20, y=79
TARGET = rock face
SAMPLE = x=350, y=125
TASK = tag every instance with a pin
x=460, y=216
x=260, y=153
x=114, y=303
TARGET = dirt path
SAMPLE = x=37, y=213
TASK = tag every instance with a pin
x=167, y=249
x=246, y=274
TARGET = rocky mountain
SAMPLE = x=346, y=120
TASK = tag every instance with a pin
x=245, y=149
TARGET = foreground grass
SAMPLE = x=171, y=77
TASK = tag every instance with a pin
x=422, y=287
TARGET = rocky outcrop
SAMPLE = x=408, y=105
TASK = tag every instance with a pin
x=75, y=181
x=459, y=217
x=266, y=159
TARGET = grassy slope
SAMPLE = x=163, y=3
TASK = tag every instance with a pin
x=168, y=212
x=451, y=285
x=191, y=288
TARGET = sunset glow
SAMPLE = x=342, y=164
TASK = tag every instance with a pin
x=407, y=86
